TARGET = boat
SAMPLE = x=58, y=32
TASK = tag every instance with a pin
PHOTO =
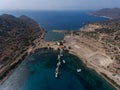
x=64, y=61
x=56, y=72
x=79, y=70
x=56, y=75
x=58, y=57
x=58, y=64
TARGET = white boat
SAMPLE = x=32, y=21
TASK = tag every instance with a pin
x=64, y=61
x=79, y=70
x=59, y=63
x=56, y=72
x=56, y=75
x=58, y=57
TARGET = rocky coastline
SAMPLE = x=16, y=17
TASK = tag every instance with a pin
x=17, y=36
x=89, y=44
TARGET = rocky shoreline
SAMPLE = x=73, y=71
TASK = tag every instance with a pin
x=17, y=36
x=9, y=69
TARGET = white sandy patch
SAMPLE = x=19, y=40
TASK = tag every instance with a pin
x=100, y=59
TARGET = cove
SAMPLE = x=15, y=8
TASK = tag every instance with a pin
x=37, y=72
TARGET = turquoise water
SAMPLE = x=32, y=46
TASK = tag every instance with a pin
x=37, y=72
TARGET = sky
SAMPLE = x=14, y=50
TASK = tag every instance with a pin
x=58, y=4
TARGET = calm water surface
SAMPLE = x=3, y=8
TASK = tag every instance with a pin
x=37, y=72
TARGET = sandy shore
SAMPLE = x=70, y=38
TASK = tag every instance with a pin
x=92, y=54
x=97, y=70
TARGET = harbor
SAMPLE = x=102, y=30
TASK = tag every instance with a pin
x=61, y=61
x=57, y=70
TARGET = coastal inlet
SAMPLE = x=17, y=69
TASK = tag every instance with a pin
x=37, y=72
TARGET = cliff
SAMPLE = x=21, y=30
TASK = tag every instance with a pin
x=17, y=34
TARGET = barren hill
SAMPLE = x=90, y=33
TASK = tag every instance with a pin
x=113, y=13
x=16, y=35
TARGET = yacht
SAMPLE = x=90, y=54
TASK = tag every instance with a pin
x=79, y=70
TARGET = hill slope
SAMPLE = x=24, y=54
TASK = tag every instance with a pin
x=113, y=13
x=16, y=35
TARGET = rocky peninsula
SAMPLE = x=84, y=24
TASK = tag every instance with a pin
x=17, y=36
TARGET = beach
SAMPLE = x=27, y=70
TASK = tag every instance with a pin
x=92, y=54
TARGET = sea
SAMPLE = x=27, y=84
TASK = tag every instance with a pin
x=58, y=20
x=37, y=71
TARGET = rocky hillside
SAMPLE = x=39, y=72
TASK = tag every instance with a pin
x=113, y=13
x=107, y=33
x=16, y=35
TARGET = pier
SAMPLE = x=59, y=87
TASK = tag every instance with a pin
x=57, y=70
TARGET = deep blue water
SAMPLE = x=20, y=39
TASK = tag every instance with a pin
x=37, y=72
x=69, y=20
x=60, y=20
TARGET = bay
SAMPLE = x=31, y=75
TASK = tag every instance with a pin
x=37, y=72
x=58, y=20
